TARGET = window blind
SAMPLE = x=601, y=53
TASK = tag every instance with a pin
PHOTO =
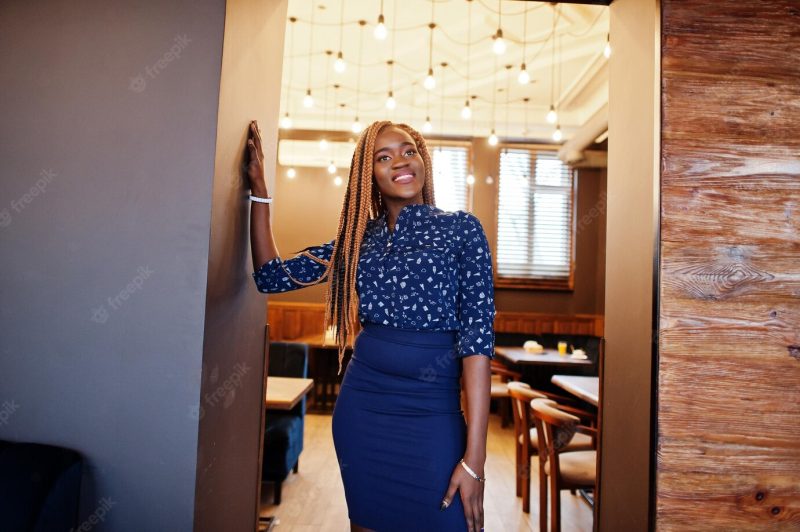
x=450, y=177
x=534, y=225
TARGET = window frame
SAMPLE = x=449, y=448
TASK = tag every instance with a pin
x=566, y=284
x=433, y=143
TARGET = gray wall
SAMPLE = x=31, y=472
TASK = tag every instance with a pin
x=106, y=263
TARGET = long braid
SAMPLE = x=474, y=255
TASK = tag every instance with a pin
x=362, y=202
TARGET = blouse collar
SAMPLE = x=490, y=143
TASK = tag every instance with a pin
x=405, y=212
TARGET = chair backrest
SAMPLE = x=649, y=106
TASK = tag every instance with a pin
x=289, y=359
x=556, y=428
x=521, y=395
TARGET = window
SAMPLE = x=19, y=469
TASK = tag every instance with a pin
x=534, y=220
x=450, y=169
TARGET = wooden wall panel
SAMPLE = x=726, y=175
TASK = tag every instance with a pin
x=729, y=355
x=290, y=320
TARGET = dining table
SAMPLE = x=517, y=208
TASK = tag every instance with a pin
x=283, y=393
x=586, y=388
x=547, y=357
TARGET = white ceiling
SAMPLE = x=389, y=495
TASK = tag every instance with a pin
x=580, y=86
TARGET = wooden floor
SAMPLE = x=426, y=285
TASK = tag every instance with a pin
x=313, y=499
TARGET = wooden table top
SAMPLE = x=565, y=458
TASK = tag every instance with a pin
x=285, y=392
x=587, y=388
x=549, y=357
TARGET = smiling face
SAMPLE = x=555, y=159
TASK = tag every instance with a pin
x=398, y=168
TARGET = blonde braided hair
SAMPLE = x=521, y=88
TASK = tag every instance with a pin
x=362, y=202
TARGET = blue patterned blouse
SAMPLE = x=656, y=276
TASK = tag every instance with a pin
x=433, y=272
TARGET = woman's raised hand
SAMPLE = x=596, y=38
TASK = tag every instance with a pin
x=255, y=163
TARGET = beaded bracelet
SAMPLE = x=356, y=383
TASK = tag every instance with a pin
x=471, y=472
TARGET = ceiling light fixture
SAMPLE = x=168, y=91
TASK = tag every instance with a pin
x=308, y=101
x=607, y=49
x=524, y=78
x=286, y=120
x=339, y=65
x=380, y=32
x=430, y=81
x=391, y=103
x=356, y=126
x=466, y=111
x=552, y=116
x=499, y=45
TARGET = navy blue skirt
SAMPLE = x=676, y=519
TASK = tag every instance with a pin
x=399, y=430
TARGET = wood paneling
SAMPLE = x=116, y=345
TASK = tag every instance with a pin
x=289, y=320
x=729, y=368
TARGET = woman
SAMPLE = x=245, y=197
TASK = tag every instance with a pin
x=418, y=281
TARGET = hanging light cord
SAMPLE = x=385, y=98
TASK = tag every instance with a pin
x=360, y=51
x=469, y=42
x=311, y=47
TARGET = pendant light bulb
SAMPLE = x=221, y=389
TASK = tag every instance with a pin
x=286, y=121
x=427, y=127
x=552, y=116
x=466, y=112
x=493, y=139
x=323, y=144
x=391, y=103
x=430, y=81
x=380, y=32
x=557, y=136
x=339, y=65
x=499, y=45
x=523, y=78
x=356, y=127
x=470, y=179
x=607, y=49
x=290, y=173
x=331, y=168
x=337, y=181
x=308, y=100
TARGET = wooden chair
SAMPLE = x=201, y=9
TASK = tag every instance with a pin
x=501, y=375
x=564, y=470
x=526, y=440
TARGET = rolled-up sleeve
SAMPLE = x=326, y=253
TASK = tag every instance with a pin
x=476, y=309
x=278, y=275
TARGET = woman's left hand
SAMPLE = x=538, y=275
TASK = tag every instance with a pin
x=471, y=491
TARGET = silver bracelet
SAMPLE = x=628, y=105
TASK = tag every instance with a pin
x=471, y=472
x=260, y=200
